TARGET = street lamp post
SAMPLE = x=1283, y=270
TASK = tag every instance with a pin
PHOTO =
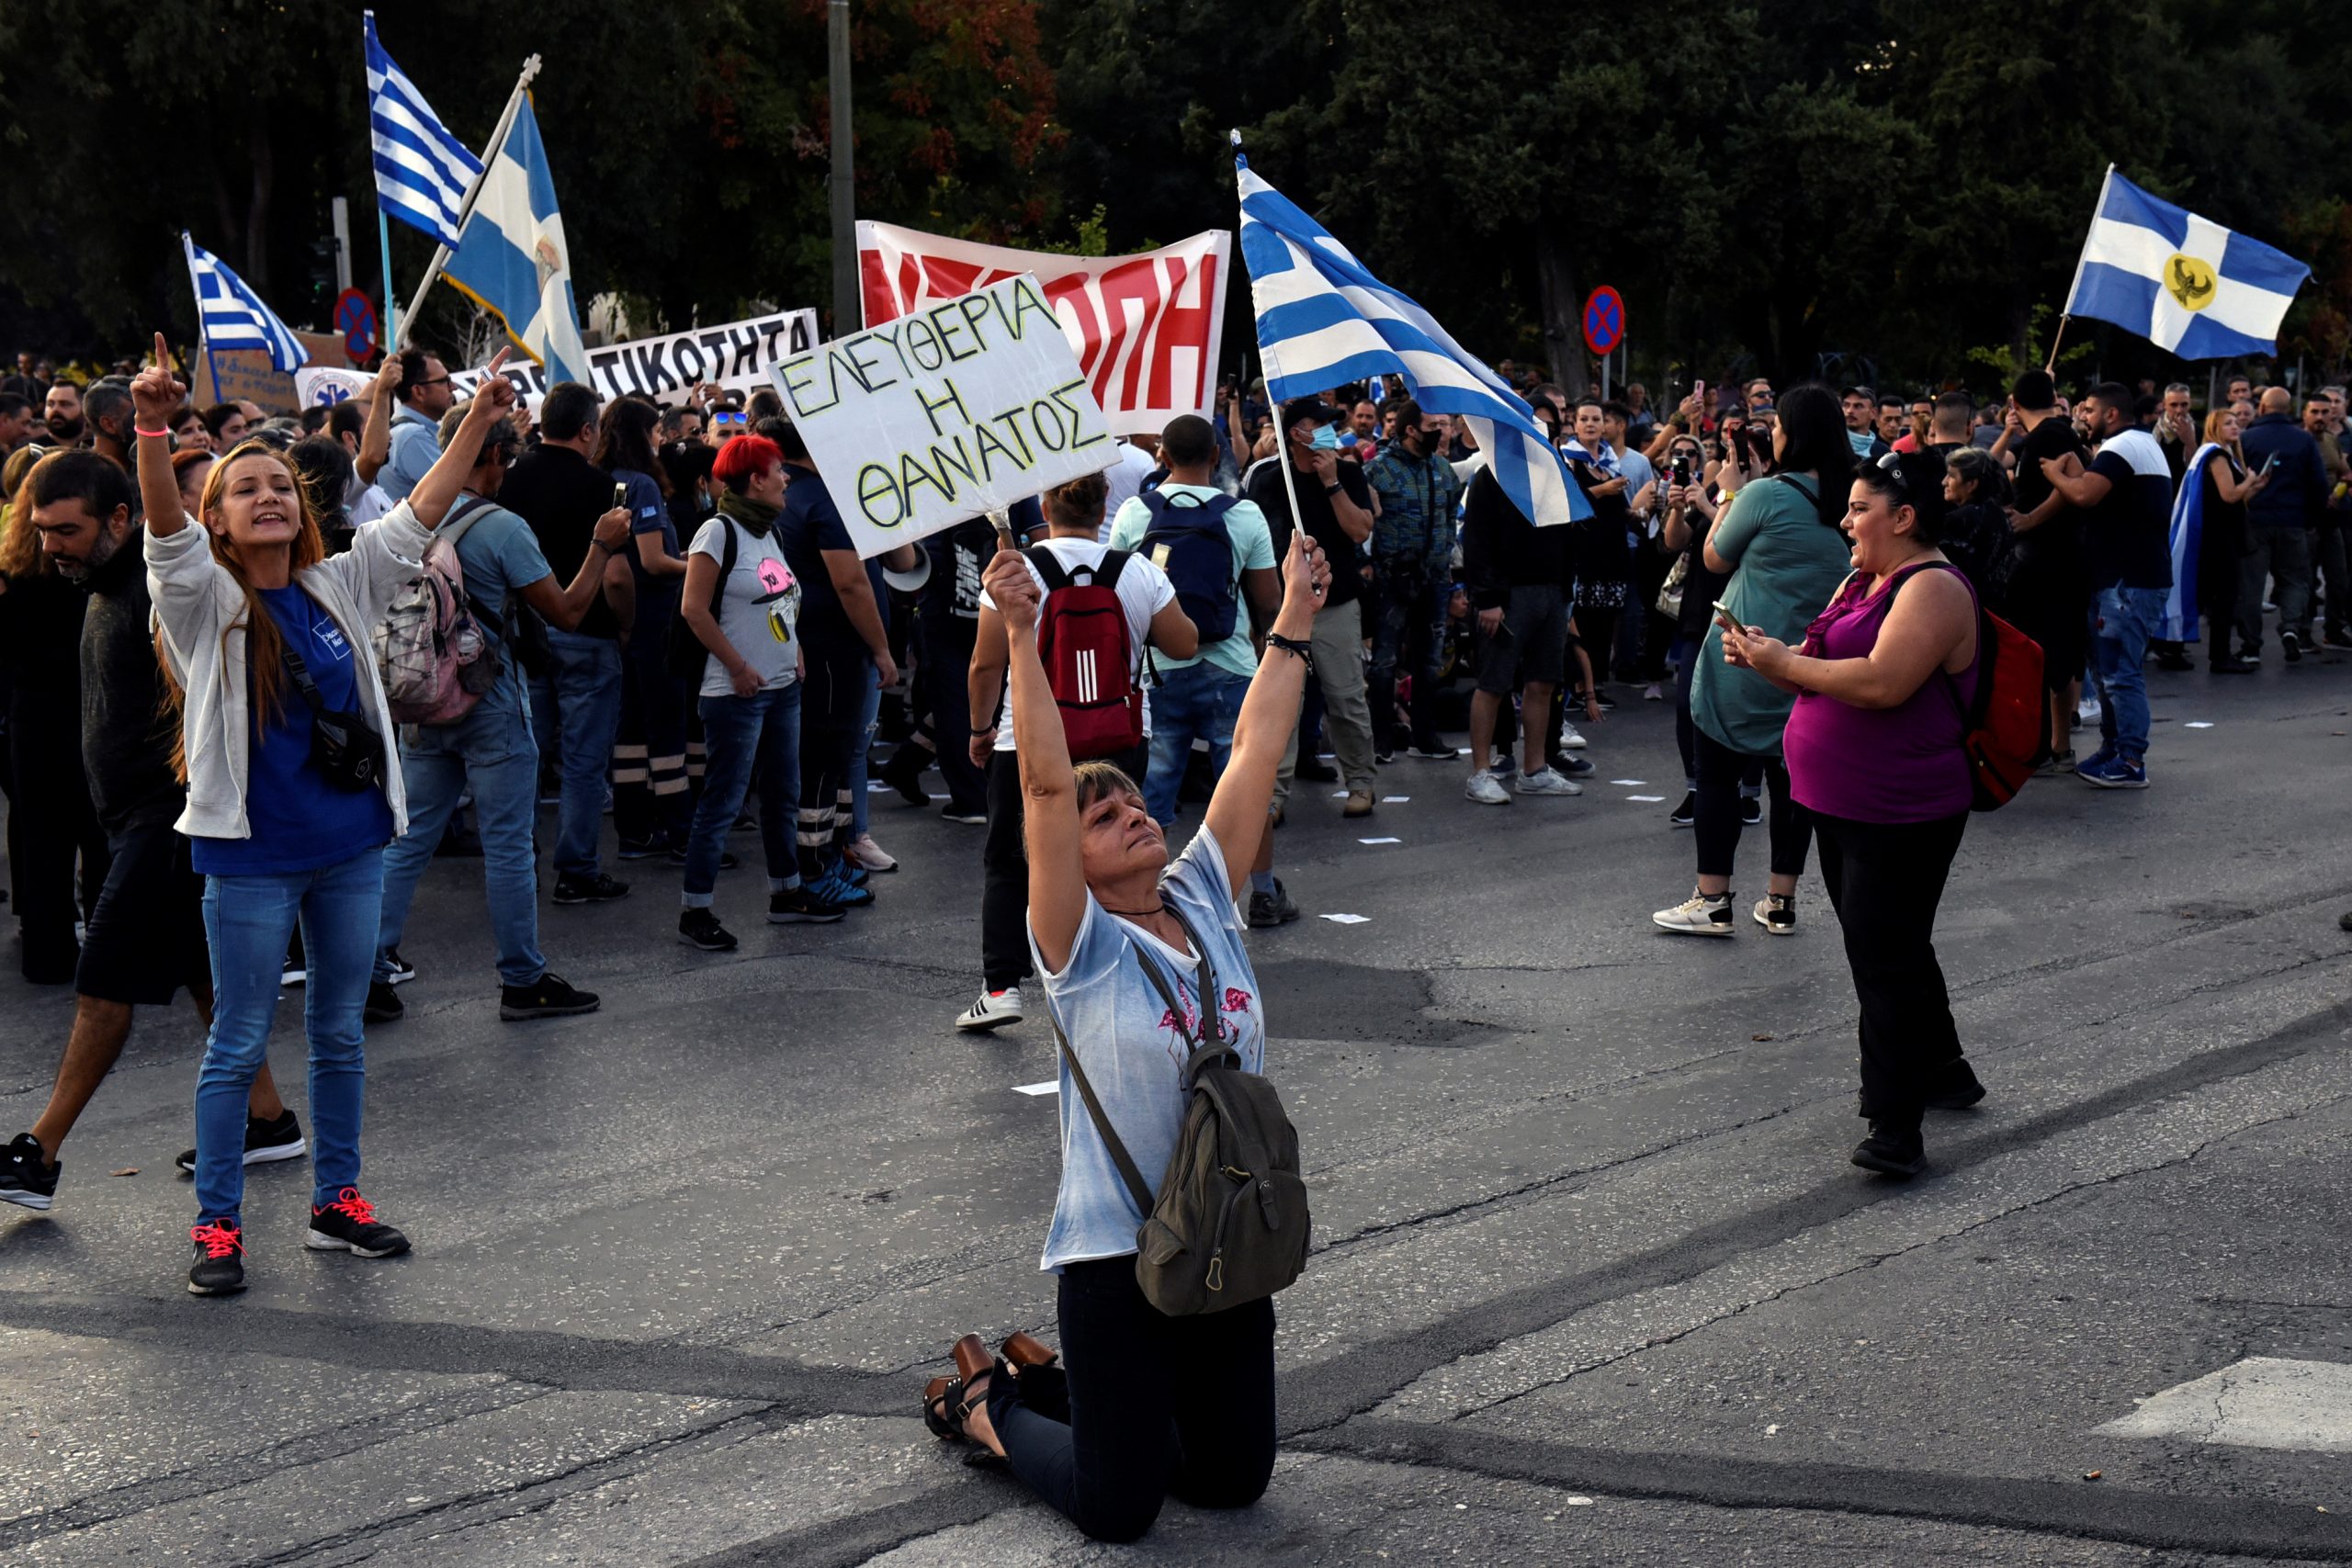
x=847, y=314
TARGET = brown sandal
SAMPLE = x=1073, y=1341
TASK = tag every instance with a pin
x=1022, y=1351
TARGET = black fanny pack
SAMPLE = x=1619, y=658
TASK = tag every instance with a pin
x=348, y=752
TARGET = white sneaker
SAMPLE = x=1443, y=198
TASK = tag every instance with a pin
x=1697, y=915
x=1547, y=782
x=2086, y=711
x=1569, y=739
x=993, y=1010
x=1777, y=913
x=1487, y=789
x=863, y=851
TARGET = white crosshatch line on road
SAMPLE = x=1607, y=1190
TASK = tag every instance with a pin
x=2263, y=1402
x=1348, y=920
x=1051, y=1086
x=1648, y=797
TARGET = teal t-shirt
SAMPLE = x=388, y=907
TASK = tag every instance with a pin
x=1254, y=547
x=1786, y=563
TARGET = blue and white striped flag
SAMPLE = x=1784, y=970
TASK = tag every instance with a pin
x=1323, y=321
x=2185, y=283
x=512, y=257
x=422, y=172
x=233, y=315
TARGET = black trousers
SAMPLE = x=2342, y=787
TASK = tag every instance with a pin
x=1157, y=1406
x=1885, y=880
x=943, y=658
x=832, y=699
x=1004, y=870
x=1716, y=824
x=57, y=851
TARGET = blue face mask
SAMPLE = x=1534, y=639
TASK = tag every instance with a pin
x=1326, y=439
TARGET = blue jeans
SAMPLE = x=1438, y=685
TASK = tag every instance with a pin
x=490, y=750
x=1200, y=701
x=862, y=743
x=738, y=732
x=248, y=921
x=580, y=707
x=2122, y=624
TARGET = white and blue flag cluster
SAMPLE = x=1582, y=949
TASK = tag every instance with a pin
x=1324, y=321
x=511, y=256
x=231, y=315
x=2189, y=284
x=422, y=171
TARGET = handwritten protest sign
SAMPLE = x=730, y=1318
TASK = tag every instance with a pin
x=945, y=413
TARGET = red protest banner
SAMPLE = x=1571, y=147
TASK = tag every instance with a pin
x=1145, y=327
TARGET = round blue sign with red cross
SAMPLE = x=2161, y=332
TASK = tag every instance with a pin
x=1604, y=321
x=354, y=317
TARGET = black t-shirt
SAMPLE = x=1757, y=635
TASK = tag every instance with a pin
x=2060, y=535
x=560, y=494
x=1701, y=586
x=1322, y=523
x=127, y=730
x=2127, y=537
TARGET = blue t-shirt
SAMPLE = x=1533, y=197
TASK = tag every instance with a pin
x=1132, y=1050
x=300, y=821
x=808, y=527
x=649, y=514
x=499, y=554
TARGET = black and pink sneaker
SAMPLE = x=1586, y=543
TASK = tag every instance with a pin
x=220, y=1266
x=349, y=1225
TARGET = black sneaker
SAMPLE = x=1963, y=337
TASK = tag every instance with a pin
x=384, y=1004
x=904, y=773
x=2291, y=646
x=220, y=1266
x=797, y=907
x=598, y=889
x=1384, y=755
x=403, y=970
x=549, y=995
x=970, y=816
x=1685, y=814
x=267, y=1143
x=1274, y=909
x=349, y=1225
x=1751, y=809
x=294, y=971
x=1431, y=748
x=700, y=927
x=26, y=1178
x=644, y=849
x=1892, y=1151
x=1314, y=770
x=1960, y=1088
x=727, y=861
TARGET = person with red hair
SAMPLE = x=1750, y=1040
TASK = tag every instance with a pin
x=743, y=604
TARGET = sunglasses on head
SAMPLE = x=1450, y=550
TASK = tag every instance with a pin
x=1891, y=465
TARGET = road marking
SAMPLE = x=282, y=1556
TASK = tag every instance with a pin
x=1629, y=783
x=2198, y=724
x=1051, y=1086
x=1380, y=841
x=1394, y=799
x=2263, y=1402
x=1648, y=797
x=1348, y=920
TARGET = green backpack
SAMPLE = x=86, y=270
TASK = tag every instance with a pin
x=1230, y=1223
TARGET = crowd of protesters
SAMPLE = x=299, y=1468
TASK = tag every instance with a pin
x=669, y=624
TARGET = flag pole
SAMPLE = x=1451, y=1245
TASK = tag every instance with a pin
x=2081, y=261
x=1266, y=369
x=203, y=345
x=473, y=191
x=391, y=306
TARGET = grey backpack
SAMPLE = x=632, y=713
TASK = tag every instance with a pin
x=1230, y=1223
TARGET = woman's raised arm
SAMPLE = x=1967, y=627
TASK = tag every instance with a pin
x=155, y=395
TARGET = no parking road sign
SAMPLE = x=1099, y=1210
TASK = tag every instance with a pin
x=354, y=317
x=1604, y=321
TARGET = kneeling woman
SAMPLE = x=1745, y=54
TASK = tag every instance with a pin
x=1147, y=1405
x=266, y=646
x=1883, y=680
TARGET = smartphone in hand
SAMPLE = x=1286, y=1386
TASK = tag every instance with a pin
x=1725, y=619
x=620, y=494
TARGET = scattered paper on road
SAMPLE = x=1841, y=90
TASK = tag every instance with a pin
x=1051, y=1086
x=1348, y=920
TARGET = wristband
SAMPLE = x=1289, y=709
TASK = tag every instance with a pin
x=138, y=429
x=600, y=545
x=1305, y=649
x=1333, y=488
x=990, y=730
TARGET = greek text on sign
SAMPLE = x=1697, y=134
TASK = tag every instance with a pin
x=942, y=415
x=1145, y=327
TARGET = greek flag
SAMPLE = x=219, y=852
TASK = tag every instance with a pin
x=422, y=172
x=231, y=316
x=2184, y=282
x=2178, y=623
x=1323, y=321
x=512, y=258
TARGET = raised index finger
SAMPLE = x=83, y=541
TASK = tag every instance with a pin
x=163, y=353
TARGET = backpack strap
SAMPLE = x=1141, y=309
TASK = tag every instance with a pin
x=1106, y=570
x=1048, y=566
x=462, y=516
x=1138, y=1189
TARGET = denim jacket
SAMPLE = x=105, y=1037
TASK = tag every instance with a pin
x=1419, y=498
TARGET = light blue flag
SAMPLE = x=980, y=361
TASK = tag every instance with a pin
x=512, y=257
x=2183, y=282
x=1324, y=321
x=422, y=171
x=233, y=315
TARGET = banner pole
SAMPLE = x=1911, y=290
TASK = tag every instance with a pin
x=2057, y=337
x=391, y=306
x=473, y=191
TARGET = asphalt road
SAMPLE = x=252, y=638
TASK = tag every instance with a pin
x=1595, y=1282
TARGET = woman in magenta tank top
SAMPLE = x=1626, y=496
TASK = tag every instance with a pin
x=1882, y=681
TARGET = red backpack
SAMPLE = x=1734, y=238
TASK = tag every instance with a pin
x=1089, y=656
x=2005, y=723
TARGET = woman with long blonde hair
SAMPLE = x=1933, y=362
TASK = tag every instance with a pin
x=266, y=643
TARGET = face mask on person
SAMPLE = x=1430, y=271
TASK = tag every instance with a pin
x=1326, y=439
